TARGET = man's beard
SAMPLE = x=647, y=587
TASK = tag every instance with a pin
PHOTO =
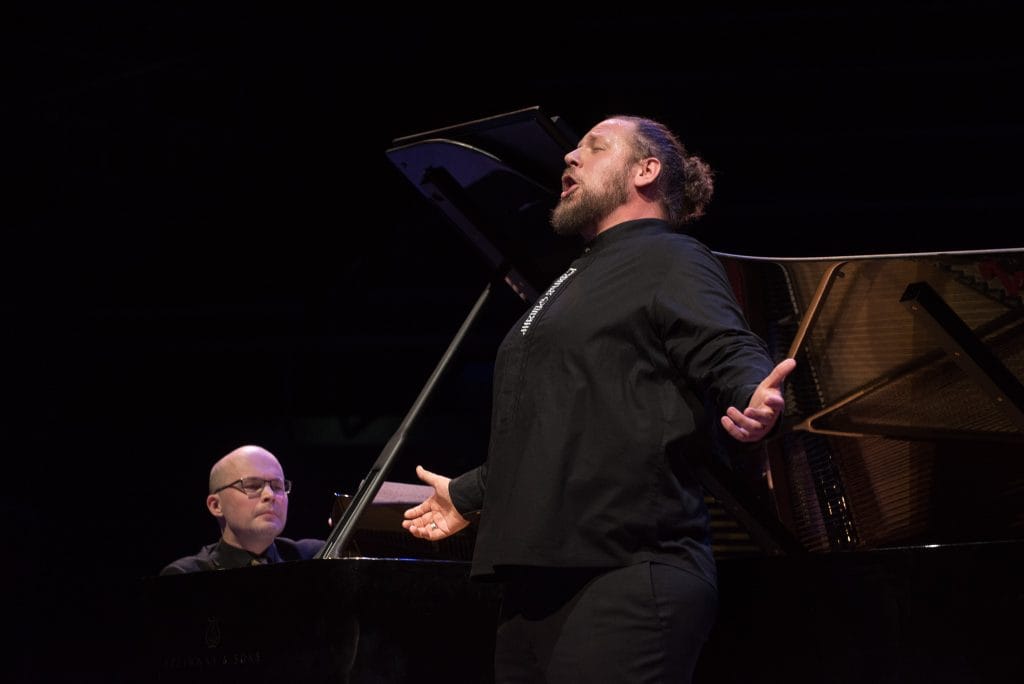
x=585, y=208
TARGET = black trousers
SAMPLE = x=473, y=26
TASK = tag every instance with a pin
x=641, y=623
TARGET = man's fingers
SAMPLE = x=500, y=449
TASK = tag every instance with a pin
x=761, y=415
x=750, y=419
x=733, y=429
x=780, y=372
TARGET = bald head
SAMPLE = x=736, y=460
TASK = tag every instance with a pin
x=243, y=462
x=248, y=521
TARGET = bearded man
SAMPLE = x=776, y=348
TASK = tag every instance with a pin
x=591, y=514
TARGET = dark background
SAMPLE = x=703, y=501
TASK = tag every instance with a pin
x=205, y=244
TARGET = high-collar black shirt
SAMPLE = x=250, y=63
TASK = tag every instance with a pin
x=602, y=392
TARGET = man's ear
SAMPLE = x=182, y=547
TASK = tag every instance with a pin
x=649, y=169
x=213, y=505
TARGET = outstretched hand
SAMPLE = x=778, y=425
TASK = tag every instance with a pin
x=435, y=518
x=766, y=405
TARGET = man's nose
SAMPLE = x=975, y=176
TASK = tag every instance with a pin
x=572, y=158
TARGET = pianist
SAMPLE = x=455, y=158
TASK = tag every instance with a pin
x=249, y=499
x=605, y=394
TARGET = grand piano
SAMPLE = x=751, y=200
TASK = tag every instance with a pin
x=876, y=538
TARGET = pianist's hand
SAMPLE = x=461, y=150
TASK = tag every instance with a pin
x=435, y=518
x=766, y=405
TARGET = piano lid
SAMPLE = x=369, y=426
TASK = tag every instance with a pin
x=903, y=420
x=911, y=346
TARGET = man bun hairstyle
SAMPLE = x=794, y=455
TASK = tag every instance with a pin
x=686, y=182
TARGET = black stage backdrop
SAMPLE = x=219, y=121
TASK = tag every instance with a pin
x=205, y=245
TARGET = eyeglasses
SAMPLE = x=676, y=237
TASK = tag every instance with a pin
x=253, y=487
